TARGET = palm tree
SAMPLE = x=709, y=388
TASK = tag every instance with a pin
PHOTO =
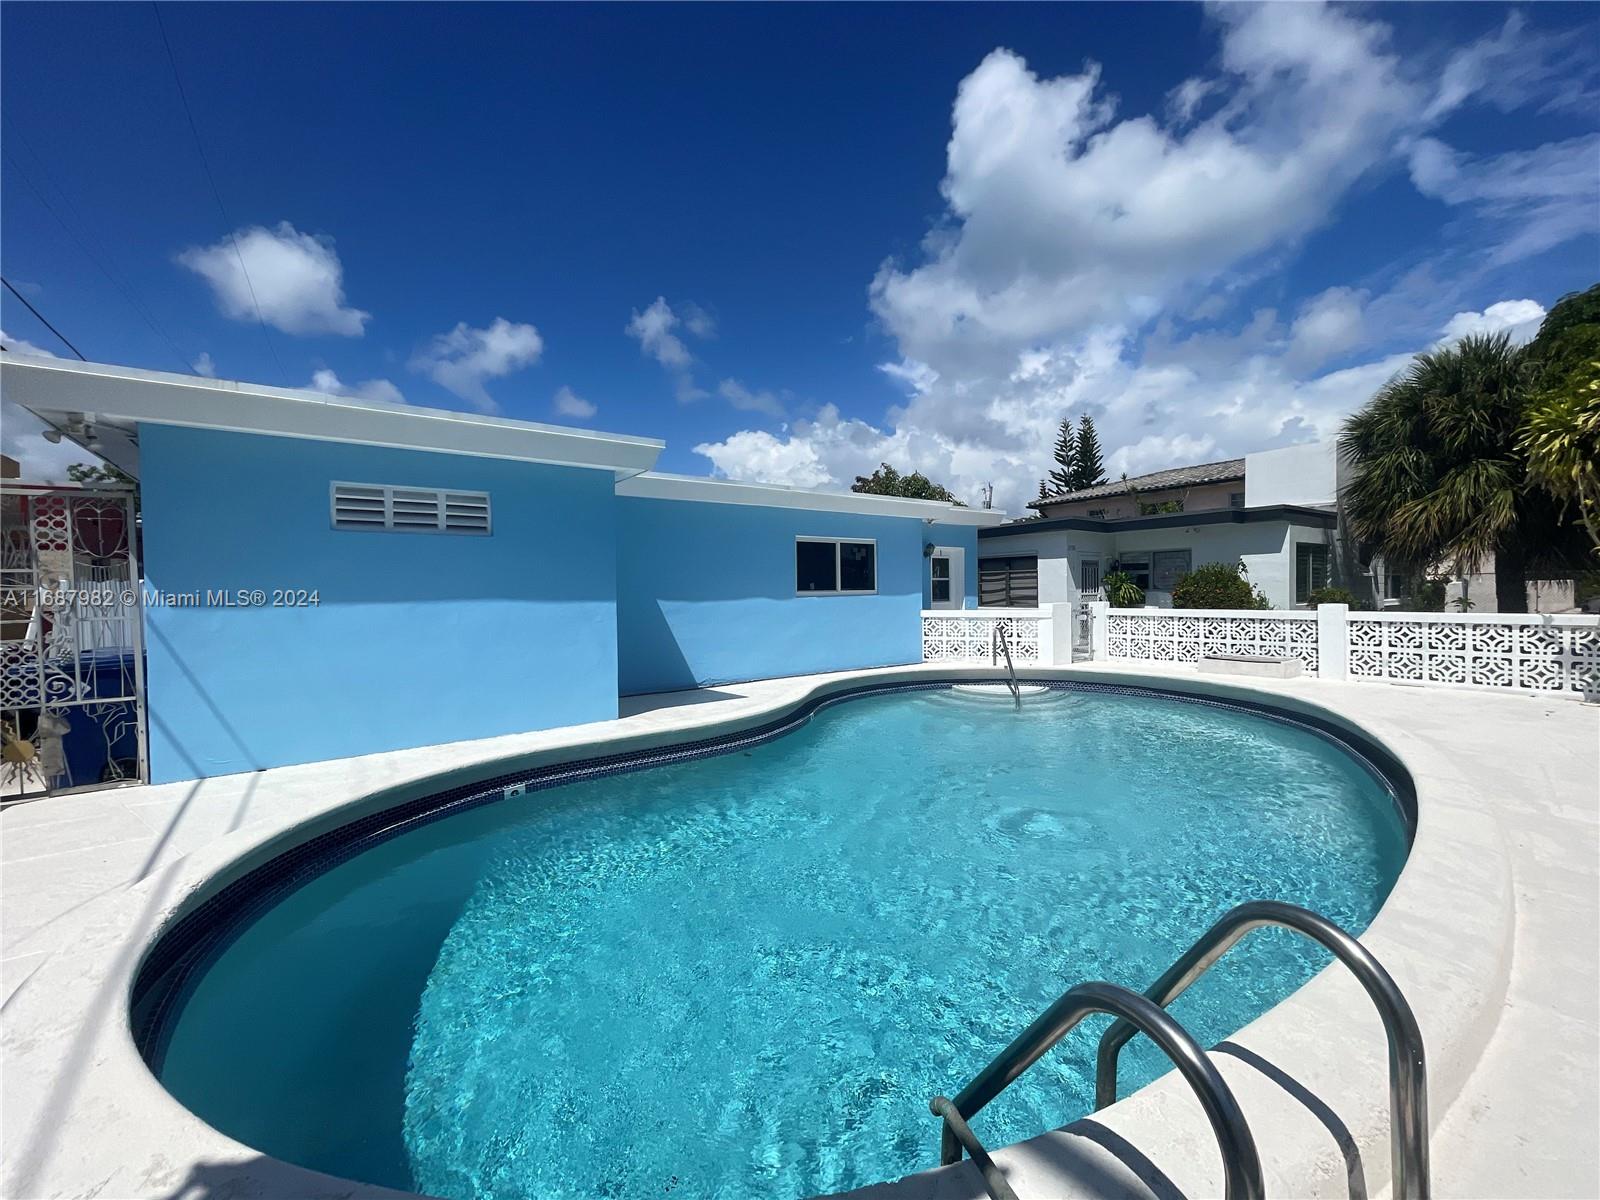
x=1439, y=477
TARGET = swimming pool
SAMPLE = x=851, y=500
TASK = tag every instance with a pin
x=747, y=973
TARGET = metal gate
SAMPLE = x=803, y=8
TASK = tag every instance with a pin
x=71, y=640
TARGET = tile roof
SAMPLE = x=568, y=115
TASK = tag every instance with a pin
x=1217, y=472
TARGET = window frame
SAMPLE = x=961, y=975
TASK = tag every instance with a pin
x=1010, y=573
x=1301, y=595
x=935, y=580
x=838, y=565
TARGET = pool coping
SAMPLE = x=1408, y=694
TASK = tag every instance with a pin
x=85, y=1116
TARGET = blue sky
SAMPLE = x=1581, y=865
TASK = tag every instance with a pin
x=794, y=240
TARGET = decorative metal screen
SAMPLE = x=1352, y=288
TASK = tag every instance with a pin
x=71, y=651
x=1187, y=638
x=969, y=636
x=1533, y=653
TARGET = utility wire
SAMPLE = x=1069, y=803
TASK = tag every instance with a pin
x=215, y=193
x=89, y=253
x=42, y=321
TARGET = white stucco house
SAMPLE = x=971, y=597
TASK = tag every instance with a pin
x=1277, y=512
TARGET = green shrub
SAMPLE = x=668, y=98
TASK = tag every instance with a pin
x=1331, y=595
x=1428, y=598
x=1217, y=585
x=1121, y=591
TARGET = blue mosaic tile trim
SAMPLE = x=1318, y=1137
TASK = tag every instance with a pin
x=183, y=951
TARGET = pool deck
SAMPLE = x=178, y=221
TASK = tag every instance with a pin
x=1490, y=931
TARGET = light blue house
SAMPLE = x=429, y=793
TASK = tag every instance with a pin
x=327, y=576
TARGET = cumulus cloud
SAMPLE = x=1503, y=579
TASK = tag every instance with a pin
x=1091, y=262
x=16, y=345
x=1519, y=318
x=370, y=389
x=742, y=398
x=653, y=330
x=569, y=404
x=463, y=359
x=295, y=279
x=204, y=366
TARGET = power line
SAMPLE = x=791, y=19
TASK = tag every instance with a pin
x=215, y=193
x=88, y=251
x=42, y=321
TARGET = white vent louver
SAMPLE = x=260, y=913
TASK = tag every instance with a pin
x=405, y=509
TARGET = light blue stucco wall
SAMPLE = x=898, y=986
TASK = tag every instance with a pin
x=419, y=638
x=706, y=595
x=965, y=537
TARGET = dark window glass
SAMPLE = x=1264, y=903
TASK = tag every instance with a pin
x=858, y=567
x=1137, y=569
x=1167, y=567
x=1310, y=569
x=816, y=567
x=1235, y=499
x=941, y=568
x=941, y=591
x=1008, y=582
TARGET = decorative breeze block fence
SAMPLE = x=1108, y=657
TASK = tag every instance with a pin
x=1187, y=636
x=1556, y=654
x=967, y=635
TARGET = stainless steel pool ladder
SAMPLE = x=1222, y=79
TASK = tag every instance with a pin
x=998, y=642
x=1408, y=1077
x=1408, y=1070
x=1241, y=1165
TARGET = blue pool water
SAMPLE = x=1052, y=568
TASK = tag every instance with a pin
x=746, y=974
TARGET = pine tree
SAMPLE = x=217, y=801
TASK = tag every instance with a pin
x=1044, y=491
x=1062, y=477
x=1087, y=470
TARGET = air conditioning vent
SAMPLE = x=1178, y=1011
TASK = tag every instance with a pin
x=406, y=509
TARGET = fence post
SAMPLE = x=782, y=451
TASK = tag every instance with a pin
x=1099, y=622
x=1063, y=623
x=1333, y=641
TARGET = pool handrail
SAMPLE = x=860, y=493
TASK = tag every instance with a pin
x=998, y=638
x=1408, y=1073
x=1241, y=1165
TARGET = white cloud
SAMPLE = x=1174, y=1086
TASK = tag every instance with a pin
x=1520, y=318
x=569, y=404
x=461, y=360
x=742, y=398
x=653, y=328
x=1080, y=249
x=295, y=278
x=698, y=321
x=369, y=389
x=18, y=346
x=204, y=366
x=1530, y=200
x=1328, y=325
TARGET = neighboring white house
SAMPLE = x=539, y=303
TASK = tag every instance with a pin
x=1277, y=512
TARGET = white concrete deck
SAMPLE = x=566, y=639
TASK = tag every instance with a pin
x=1490, y=930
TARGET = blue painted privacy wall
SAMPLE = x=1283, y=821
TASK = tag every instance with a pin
x=419, y=638
x=706, y=595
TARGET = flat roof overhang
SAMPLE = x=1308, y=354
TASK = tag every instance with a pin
x=1293, y=514
x=104, y=405
x=656, y=485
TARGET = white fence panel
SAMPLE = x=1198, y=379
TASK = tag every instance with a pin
x=1188, y=635
x=967, y=635
x=1506, y=652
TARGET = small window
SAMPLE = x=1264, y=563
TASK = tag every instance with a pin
x=1137, y=568
x=1008, y=582
x=408, y=510
x=1310, y=569
x=1167, y=567
x=1097, y=514
x=939, y=579
x=825, y=566
x=1235, y=499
